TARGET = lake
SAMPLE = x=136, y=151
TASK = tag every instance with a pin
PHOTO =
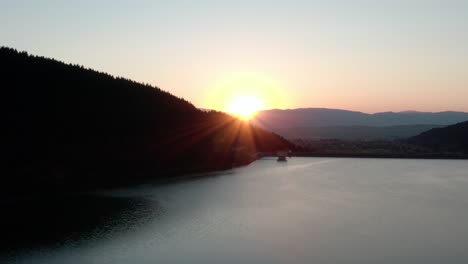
x=308, y=210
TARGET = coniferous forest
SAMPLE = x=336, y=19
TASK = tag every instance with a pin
x=67, y=125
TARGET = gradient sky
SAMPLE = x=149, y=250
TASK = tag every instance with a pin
x=368, y=56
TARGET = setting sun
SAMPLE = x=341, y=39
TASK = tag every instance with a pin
x=245, y=107
x=244, y=93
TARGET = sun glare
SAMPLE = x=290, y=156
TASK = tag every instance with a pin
x=245, y=107
x=244, y=93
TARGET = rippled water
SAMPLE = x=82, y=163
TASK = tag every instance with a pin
x=308, y=210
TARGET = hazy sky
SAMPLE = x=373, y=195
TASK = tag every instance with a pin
x=361, y=55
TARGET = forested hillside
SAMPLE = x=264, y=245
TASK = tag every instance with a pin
x=452, y=138
x=67, y=124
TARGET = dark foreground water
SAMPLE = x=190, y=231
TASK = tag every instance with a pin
x=308, y=210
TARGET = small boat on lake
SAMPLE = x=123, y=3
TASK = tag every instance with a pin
x=282, y=155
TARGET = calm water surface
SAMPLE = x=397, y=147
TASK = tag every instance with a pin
x=308, y=210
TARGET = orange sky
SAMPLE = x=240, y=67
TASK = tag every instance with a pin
x=361, y=55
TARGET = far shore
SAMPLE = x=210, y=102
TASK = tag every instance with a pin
x=455, y=156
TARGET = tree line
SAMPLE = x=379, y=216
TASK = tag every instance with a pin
x=66, y=124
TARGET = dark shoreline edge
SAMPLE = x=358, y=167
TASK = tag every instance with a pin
x=171, y=177
x=60, y=188
x=383, y=156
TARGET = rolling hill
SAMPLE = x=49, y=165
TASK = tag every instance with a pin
x=453, y=138
x=71, y=125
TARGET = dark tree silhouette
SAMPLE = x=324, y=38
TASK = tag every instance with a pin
x=72, y=126
x=452, y=138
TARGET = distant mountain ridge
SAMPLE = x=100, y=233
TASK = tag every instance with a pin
x=343, y=124
x=316, y=117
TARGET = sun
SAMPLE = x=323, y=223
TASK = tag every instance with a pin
x=245, y=107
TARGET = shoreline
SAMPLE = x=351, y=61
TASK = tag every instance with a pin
x=382, y=156
x=170, y=178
